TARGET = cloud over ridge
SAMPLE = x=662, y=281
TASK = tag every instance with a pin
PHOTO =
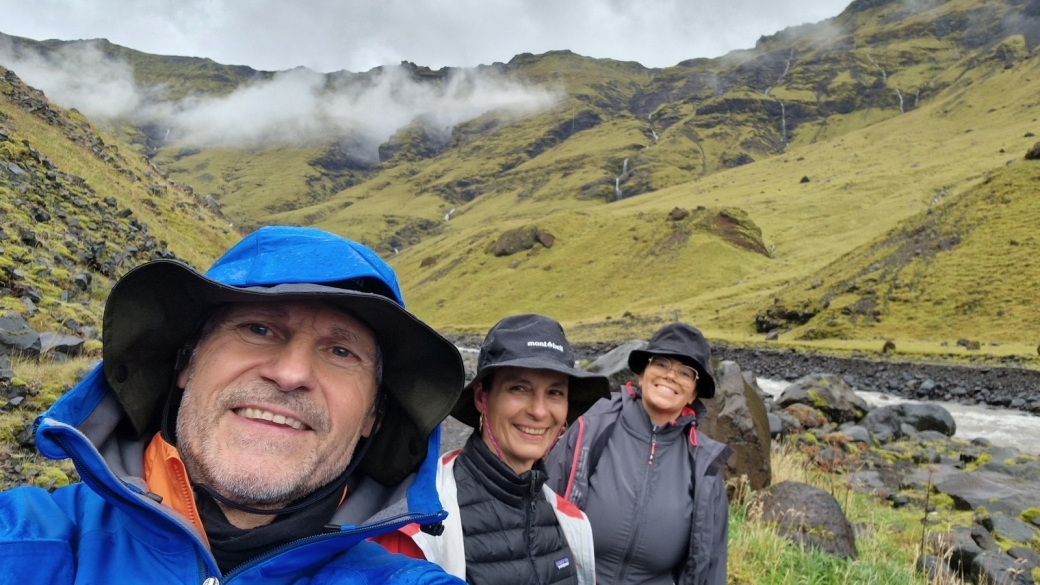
x=292, y=108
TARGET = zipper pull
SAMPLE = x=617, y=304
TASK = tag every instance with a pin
x=653, y=447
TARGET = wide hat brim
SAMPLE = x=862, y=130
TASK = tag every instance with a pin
x=157, y=307
x=638, y=359
x=584, y=388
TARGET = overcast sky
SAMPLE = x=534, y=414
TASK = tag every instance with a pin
x=356, y=35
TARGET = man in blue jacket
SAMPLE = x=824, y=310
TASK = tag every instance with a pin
x=259, y=423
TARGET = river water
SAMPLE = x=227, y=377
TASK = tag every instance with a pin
x=1006, y=428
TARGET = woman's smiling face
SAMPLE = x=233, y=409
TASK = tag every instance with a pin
x=525, y=410
x=667, y=386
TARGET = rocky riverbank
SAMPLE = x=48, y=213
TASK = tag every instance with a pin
x=1007, y=386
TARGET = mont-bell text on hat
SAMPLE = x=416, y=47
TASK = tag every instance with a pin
x=548, y=344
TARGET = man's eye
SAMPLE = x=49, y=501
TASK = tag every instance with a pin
x=341, y=352
x=258, y=329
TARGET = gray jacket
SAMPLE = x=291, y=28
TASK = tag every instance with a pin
x=574, y=464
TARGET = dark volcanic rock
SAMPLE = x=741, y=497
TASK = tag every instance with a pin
x=828, y=393
x=737, y=417
x=935, y=568
x=998, y=567
x=809, y=515
x=888, y=422
x=16, y=337
x=992, y=491
x=65, y=344
x=1013, y=529
x=614, y=363
x=1033, y=153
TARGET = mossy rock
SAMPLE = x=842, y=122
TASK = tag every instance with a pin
x=983, y=459
x=50, y=478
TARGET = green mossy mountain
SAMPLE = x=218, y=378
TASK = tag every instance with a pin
x=809, y=158
x=77, y=210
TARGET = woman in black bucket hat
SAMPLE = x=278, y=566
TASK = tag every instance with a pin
x=504, y=525
x=650, y=483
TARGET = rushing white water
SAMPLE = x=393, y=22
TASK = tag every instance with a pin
x=617, y=188
x=624, y=167
x=917, y=97
x=447, y=216
x=1004, y=427
x=783, y=123
x=900, y=102
x=654, y=132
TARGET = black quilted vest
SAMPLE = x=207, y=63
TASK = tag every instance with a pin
x=510, y=530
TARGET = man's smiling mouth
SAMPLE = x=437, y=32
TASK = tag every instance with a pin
x=278, y=419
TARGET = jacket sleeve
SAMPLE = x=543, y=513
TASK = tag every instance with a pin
x=558, y=463
x=35, y=536
x=716, y=573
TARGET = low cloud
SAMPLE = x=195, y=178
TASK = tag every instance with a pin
x=78, y=76
x=294, y=107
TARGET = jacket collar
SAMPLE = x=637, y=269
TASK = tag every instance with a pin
x=637, y=421
x=82, y=425
x=497, y=477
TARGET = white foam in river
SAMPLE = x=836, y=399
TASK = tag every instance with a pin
x=1004, y=427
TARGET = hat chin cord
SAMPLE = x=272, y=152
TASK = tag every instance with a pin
x=483, y=401
x=335, y=485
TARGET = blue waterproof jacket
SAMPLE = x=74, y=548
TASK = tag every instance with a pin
x=106, y=530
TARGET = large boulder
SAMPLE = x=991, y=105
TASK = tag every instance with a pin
x=993, y=491
x=515, y=240
x=737, y=417
x=829, y=394
x=998, y=568
x=887, y=423
x=16, y=337
x=808, y=515
x=1013, y=529
x=614, y=364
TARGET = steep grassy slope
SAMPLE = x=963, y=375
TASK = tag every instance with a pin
x=969, y=263
x=860, y=186
x=76, y=213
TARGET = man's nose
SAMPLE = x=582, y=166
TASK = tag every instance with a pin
x=291, y=367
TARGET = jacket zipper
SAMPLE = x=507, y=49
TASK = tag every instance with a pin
x=641, y=501
x=400, y=519
x=204, y=571
x=528, y=526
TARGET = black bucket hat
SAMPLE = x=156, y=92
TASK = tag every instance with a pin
x=157, y=308
x=684, y=343
x=536, y=342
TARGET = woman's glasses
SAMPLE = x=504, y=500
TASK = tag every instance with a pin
x=683, y=372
